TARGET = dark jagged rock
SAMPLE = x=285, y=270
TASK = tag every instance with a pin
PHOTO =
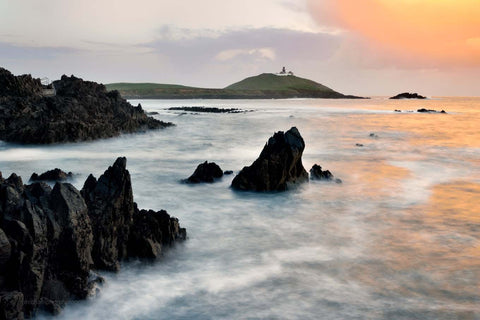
x=152, y=230
x=52, y=175
x=407, y=95
x=11, y=305
x=80, y=110
x=423, y=110
x=110, y=208
x=316, y=173
x=228, y=172
x=19, y=86
x=48, y=237
x=205, y=172
x=278, y=167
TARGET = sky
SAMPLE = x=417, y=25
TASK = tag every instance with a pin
x=362, y=47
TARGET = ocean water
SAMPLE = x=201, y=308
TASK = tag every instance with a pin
x=398, y=239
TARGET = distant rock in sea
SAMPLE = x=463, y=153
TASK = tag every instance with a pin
x=208, y=109
x=76, y=111
x=407, y=95
x=278, y=167
x=423, y=110
x=205, y=172
x=51, y=239
x=316, y=173
x=52, y=175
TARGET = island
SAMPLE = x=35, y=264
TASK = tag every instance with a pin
x=263, y=86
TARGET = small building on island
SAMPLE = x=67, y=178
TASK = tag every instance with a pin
x=284, y=72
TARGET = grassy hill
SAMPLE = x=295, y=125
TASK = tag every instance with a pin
x=270, y=81
x=263, y=86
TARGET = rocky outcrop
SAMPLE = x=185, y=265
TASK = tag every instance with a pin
x=80, y=110
x=52, y=175
x=316, y=173
x=278, y=167
x=205, y=172
x=423, y=110
x=52, y=239
x=151, y=231
x=110, y=208
x=407, y=95
x=208, y=109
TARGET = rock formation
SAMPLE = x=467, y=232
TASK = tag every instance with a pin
x=51, y=175
x=205, y=172
x=51, y=239
x=278, y=167
x=80, y=110
x=423, y=110
x=316, y=173
x=407, y=95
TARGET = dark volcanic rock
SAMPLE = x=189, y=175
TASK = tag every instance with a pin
x=51, y=239
x=278, y=167
x=423, y=110
x=316, y=173
x=110, y=207
x=407, y=95
x=11, y=305
x=205, y=172
x=80, y=110
x=151, y=230
x=51, y=175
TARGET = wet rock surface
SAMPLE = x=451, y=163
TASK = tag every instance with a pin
x=278, y=167
x=316, y=173
x=80, y=110
x=205, y=172
x=52, y=239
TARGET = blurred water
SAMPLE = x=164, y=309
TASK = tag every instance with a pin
x=399, y=239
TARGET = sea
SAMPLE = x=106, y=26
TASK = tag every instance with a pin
x=398, y=239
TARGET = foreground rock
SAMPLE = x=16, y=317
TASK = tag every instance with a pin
x=79, y=110
x=52, y=239
x=278, y=167
x=316, y=173
x=205, y=172
x=52, y=175
x=407, y=95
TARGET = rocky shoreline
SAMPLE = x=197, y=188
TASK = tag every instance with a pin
x=78, y=111
x=52, y=240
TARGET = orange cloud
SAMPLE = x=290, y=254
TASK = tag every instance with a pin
x=444, y=30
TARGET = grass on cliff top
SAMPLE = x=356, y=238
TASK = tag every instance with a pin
x=143, y=88
x=270, y=81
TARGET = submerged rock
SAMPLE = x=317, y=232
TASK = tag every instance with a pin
x=205, y=172
x=50, y=239
x=52, y=175
x=79, y=110
x=278, y=167
x=423, y=110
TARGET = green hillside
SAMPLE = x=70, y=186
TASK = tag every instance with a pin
x=263, y=86
x=270, y=81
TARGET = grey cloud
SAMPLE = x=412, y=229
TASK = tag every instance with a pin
x=11, y=51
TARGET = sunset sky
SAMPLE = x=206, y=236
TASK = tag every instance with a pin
x=367, y=47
